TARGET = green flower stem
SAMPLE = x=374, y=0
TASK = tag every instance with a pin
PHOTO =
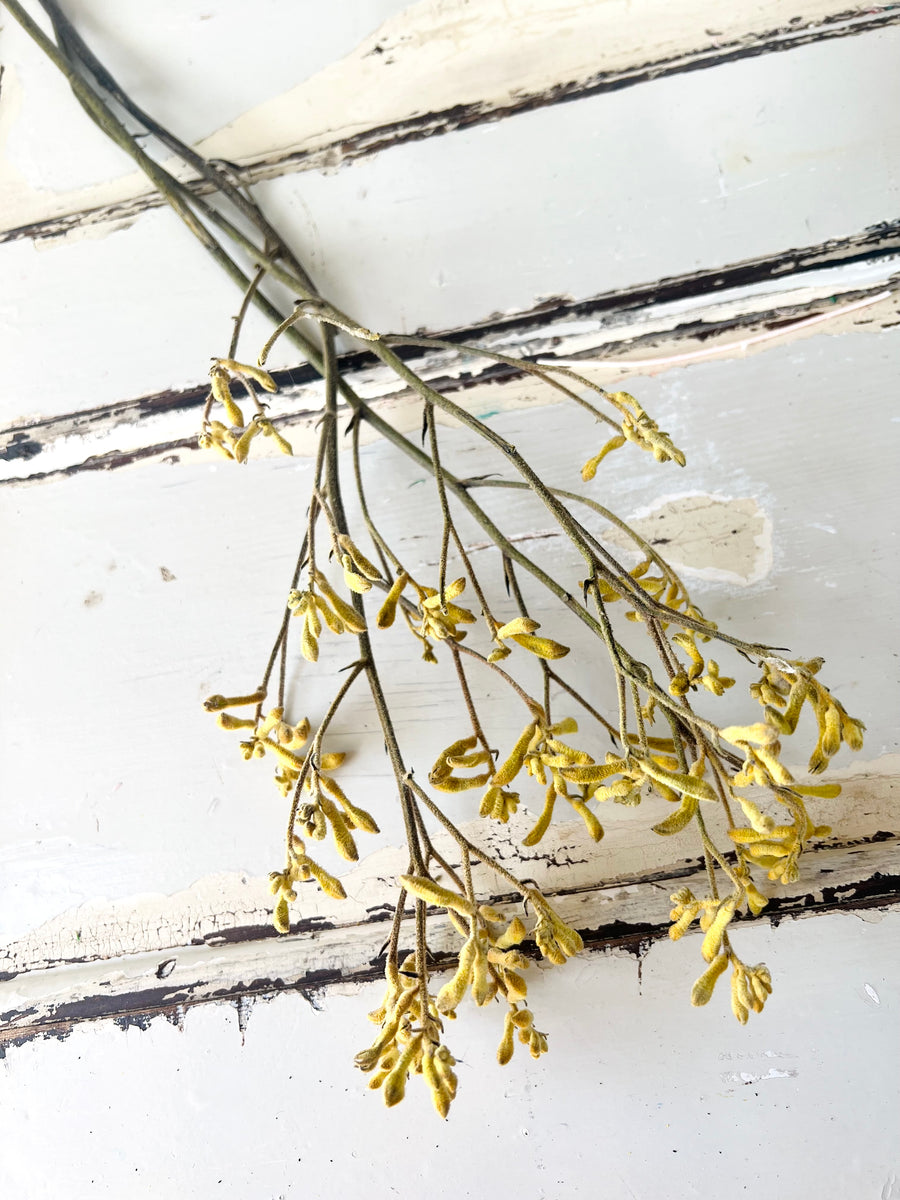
x=382, y=548
x=607, y=515
x=521, y=364
x=579, y=699
x=216, y=179
x=462, y=840
x=316, y=747
x=447, y=520
x=470, y=703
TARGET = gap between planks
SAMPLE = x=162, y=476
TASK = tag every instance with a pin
x=859, y=876
x=420, y=126
x=700, y=310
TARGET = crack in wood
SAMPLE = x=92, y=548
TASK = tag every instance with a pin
x=137, y=1009
x=27, y=441
x=420, y=126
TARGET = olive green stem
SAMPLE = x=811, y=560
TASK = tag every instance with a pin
x=462, y=840
x=382, y=548
x=446, y=519
x=313, y=753
x=520, y=364
x=469, y=702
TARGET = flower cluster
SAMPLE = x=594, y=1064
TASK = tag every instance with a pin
x=639, y=428
x=700, y=764
x=785, y=686
x=409, y=1040
x=306, y=775
x=750, y=986
x=488, y=966
x=699, y=769
x=320, y=599
x=232, y=440
x=523, y=631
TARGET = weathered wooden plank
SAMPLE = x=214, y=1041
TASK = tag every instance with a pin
x=430, y=69
x=194, y=66
x=250, y=959
x=626, y=876
x=616, y=337
x=385, y=240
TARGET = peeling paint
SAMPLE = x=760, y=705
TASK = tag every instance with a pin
x=745, y=1077
x=396, y=86
x=645, y=323
x=706, y=536
x=227, y=909
x=618, y=916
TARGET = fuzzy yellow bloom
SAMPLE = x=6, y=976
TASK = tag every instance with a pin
x=221, y=390
x=432, y=893
x=702, y=990
x=216, y=703
x=388, y=610
x=257, y=374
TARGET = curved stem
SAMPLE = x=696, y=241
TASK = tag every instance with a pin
x=447, y=520
x=541, y=370
x=607, y=515
x=257, y=279
x=470, y=704
x=485, y=662
x=316, y=747
x=576, y=696
x=381, y=546
x=462, y=840
x=513, y=582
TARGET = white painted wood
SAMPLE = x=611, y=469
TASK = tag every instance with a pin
x=728, y=323
x=629, y=872
x=755, y=157
x=195, y=67
x=134, y=842
x=154, y=797
x=108, y=968
x=437, y=60
x=675, y=175
x=639, y=1094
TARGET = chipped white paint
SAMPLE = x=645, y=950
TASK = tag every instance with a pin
x=706, y=536
x=83, y=310
x=631, y=1092
x=746, y=1077
x=655, y=339
x=133, y=949
x=138, y=866
x=434, y=56
x=188, y=67
x=428, y=57
x=622, y=874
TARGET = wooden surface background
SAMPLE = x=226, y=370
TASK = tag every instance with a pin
x=705, y=213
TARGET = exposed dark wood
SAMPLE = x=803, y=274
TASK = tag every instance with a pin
x=139, y=1008
x=27, y=440
x=463, y=116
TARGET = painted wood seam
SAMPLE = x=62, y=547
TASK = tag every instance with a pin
x=636, y=44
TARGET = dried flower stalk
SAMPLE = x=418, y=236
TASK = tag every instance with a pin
x=708, y=774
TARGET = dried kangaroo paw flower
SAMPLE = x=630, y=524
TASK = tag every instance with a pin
x=461, y=755
x=520, y=1021
x=522, y=631
x=556, y=940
